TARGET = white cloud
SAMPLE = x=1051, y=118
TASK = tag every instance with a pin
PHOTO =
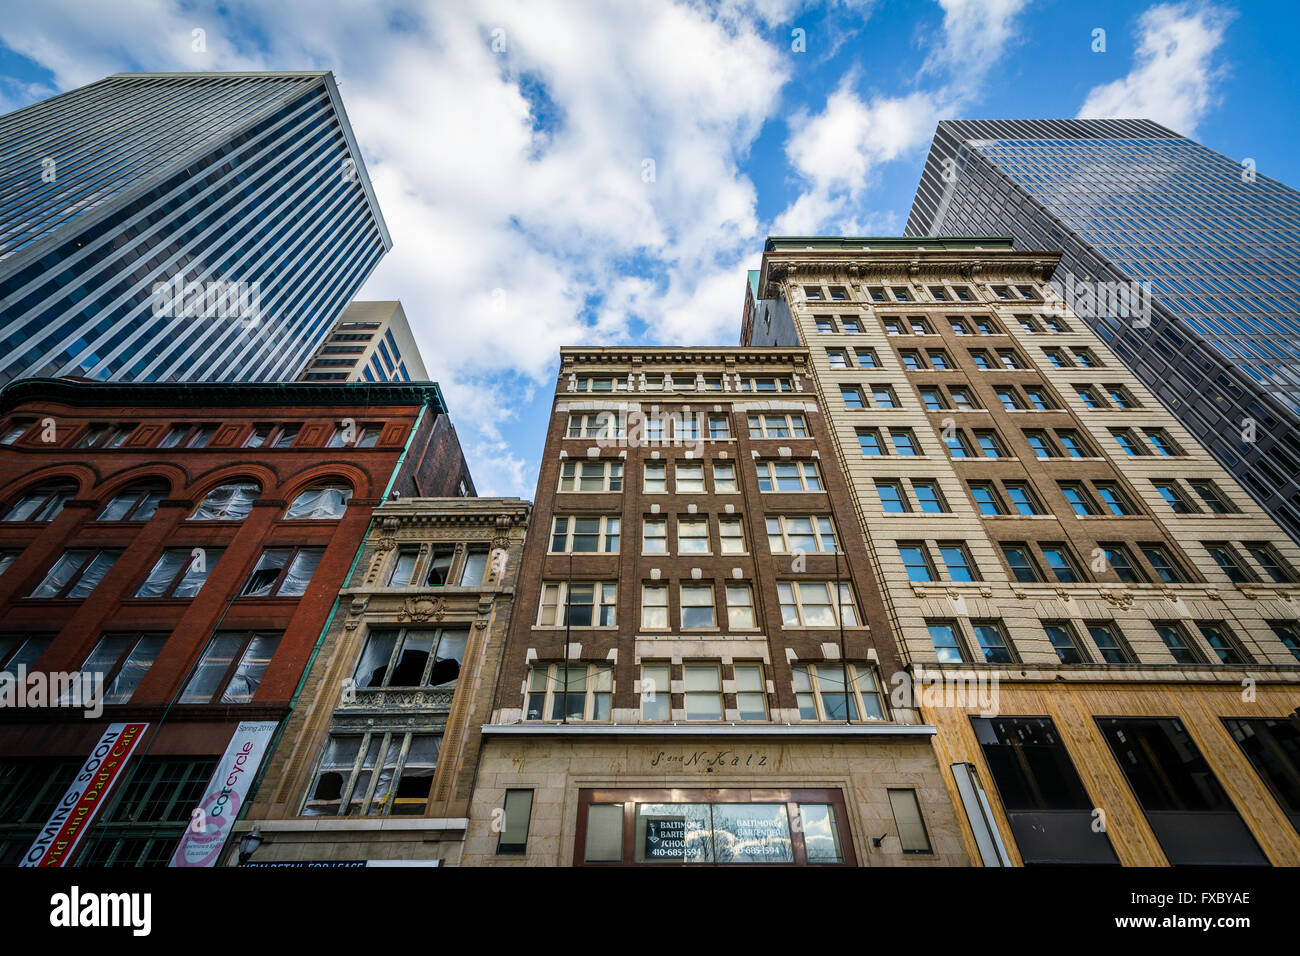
x=975, y=35
x=1173, y=77
x=837, y=151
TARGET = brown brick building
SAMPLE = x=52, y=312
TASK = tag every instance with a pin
x=673, y=688
x=186, y=543
x=1040, y=523
x=379, y=758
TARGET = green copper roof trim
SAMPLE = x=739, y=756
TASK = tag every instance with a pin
x=886, y=243
x=220, y=394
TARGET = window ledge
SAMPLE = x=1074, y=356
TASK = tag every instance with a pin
x=700, y=729
x=583, y=628
x=326, y=824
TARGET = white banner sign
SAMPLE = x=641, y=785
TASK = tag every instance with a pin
x=211, y=824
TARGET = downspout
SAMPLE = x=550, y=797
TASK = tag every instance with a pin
x=315, y=651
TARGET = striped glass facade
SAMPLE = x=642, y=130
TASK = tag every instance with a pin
x=1217, y=244
x=117, y=196
x=371, y=342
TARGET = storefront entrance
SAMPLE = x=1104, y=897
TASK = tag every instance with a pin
x=712, y=827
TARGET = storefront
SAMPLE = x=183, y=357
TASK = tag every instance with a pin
x=793, y=827
x=820, y=795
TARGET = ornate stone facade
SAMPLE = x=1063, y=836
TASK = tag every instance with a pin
x=435, y=583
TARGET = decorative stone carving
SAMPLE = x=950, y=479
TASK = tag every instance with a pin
x=385, y=699
x=1120, y=599
x=497, y=565
x=423, y=609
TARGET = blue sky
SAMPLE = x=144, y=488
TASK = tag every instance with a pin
x=573, y=172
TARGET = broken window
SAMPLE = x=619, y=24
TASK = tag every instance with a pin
x=374, y=774
x=282, y=572
x=440, y=566
x=412, y=658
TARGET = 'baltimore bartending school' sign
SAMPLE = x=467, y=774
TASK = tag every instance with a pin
x=89, y=791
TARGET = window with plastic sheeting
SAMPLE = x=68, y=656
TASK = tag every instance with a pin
x=476, y=558
x=76, y=573
x=123, y=660
x=320, y=502
x=137, y=503
x=42, y=503
x=231, y=668
x=180, y=573
x=22, y=649
x=229, y=502
x=403, y=567
x=412, y=657
x=282, y=572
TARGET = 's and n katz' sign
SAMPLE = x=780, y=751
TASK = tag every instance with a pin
x=212, y=823
x=89, y=791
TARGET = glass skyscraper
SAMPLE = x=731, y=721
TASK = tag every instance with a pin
x=1216, y=245
x=181, y=226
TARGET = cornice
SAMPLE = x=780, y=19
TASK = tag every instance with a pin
x=571, y=356
x=910, y=263
x=66, y=391
x=489, y=514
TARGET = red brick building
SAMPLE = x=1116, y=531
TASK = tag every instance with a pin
x=187, y=542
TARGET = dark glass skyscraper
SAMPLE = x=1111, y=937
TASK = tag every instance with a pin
x=181, y=226
x=1216, y=244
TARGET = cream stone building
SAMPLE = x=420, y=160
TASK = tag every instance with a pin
x=377, y=761
x=1038, y=519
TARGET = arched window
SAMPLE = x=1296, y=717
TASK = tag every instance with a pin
x=229, y=502
x=135, y=503
x=42, y=503
x=320, y=501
